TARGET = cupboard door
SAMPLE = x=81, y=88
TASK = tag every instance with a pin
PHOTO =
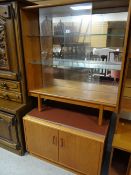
x=8, y=128
x=41, y=140
x=80, y=153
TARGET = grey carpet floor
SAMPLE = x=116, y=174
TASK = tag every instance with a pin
x=12, y=164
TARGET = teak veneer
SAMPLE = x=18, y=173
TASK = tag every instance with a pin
x=67, y=138
x=102, y=97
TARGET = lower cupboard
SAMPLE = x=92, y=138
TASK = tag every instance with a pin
x=71, y=147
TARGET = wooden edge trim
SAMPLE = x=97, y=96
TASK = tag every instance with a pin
x=48, y=3
x=109, y=108
x=100, y=158
x=26, y=140
x=65, y=128
x=74, y=101
x=56, y=3
x=121, y=148
x=124, y=56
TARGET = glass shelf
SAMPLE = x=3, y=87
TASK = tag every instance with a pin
x=72, y=63
x=73, y=35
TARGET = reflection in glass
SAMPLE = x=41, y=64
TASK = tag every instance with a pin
x=80, y=46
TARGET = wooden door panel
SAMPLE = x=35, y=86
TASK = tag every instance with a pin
x=41, y=140
x=79, y=153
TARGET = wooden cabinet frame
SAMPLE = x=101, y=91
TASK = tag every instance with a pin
x=64, y=145
x=30, y=13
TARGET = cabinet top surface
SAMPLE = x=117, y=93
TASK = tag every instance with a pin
x=88, y=92
x=68, y=118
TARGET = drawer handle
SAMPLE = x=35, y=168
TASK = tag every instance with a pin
x=61, y=142
x=4, y=85
x=16, y=97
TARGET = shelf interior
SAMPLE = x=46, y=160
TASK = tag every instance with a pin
x=122, y=138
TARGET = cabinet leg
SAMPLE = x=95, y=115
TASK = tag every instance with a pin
x=110, y=164
x=100, y=116
x=39, y=104
x=129, y=167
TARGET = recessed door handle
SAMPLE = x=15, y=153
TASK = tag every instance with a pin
x=61, y=142
x=54, y=140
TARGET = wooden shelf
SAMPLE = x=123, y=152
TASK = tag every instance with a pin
x=122, y=139
x=86, y=92
x=102, y=97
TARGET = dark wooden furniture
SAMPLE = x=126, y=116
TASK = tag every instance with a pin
x=13, y=100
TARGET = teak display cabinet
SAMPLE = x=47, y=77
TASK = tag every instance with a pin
x=72, y=63
x=76, y=64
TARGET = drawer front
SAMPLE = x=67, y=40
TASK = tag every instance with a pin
x=127, y=92
x=10, y=85
x=8, y=131
x=11, y=96
x=8, y=75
